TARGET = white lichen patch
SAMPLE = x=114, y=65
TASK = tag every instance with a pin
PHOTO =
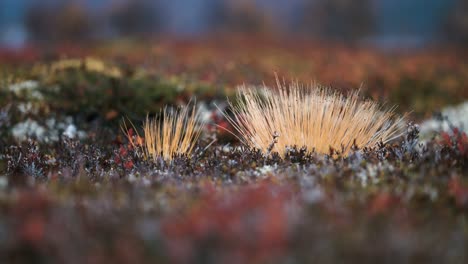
x=48, y=132
x=26, y=89
x=30, y=95
x=456, y=116
x=27, y=129
x=17, y=88
x=71, y=131
x=313, y=195
x=311, y=191
x=370, y=174
x=204, y=112
x=267, y=169
x=27, y=108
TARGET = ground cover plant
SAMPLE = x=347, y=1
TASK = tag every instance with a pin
x=75, y=186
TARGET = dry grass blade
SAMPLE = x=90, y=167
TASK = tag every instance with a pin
x=173, y=133
x=314, y=117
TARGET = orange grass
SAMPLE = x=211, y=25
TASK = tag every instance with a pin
x=174, y=133
x=314, y=117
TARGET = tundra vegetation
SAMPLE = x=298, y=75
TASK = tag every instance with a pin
x=75, y=188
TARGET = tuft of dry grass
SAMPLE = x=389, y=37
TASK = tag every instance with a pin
x=313, y=117
x=173, y=133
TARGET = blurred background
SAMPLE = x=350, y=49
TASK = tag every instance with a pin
x=383, y=23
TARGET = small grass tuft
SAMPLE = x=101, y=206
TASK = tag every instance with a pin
x=314, y=117
x=175, y=132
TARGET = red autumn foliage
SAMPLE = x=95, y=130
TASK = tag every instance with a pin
x=30, y=214
x=33, y=229
x=459, y=192
x=122, y=151
x=123, y=158
x=446, y=140
x=252, y=223
x=133, y=139
x=455, y=140
x=128, y=164
x=381, y=203
x=462, y=143
x=17, y=56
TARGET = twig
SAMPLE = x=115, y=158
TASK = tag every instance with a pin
x=272, y=144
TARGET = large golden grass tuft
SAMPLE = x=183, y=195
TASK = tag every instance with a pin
x=174, y=133
x=314, y=117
